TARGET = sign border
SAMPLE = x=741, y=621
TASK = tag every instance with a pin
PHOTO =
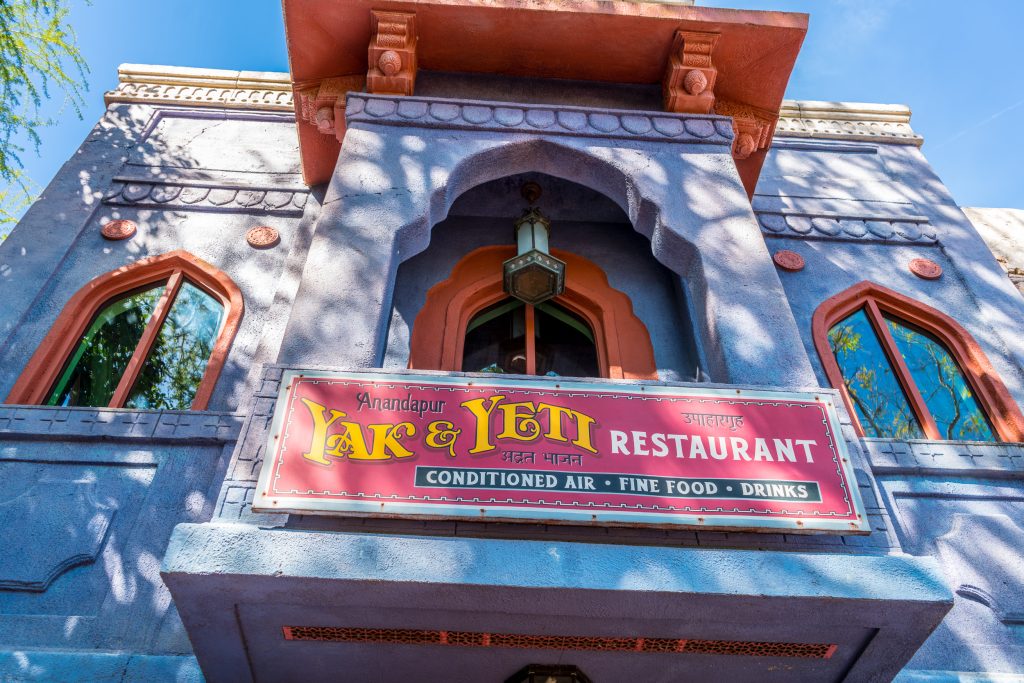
x=265, y=502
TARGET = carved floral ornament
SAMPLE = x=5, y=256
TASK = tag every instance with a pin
x=689, y=83
x=788, y=260
x=262, y=237
x=392, y=53
x=752, y=127
x=926, y=269
x=118, y=230
x=689, y=87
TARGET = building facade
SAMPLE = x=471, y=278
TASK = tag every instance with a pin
x=220, y=236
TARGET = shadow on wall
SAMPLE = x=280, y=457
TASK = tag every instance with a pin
x=584, y=222
x=89, y=523
x=976, y=538
x=390, y=191
x=93, y=518
x=181, y=176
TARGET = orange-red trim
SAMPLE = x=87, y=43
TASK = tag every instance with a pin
x=623, y=344
x=531, y=341
x=875, y=299
x=47, y=362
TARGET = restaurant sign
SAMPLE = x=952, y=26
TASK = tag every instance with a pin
x=553, y=450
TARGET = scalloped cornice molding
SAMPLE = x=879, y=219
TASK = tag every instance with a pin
x=521, y=118
x=272, y=91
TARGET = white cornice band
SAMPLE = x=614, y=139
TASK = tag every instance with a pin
x=845, y=121
x=252, y=90
x=272, y=91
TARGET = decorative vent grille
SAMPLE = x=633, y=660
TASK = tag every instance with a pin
x=404, y=636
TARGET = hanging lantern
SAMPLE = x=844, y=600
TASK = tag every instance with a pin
x=533, y=275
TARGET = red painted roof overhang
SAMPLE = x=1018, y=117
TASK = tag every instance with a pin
x=591, y=40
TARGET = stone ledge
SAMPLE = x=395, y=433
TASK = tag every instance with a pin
x=95, y=666
x=218, y=549
x=45, y=423
x=887, y=123
x=208, y=196
x=837, y=226
x=946, y=458
x=216, y=571
x=272, y=91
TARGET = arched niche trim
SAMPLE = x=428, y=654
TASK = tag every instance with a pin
x=47, y=362
x=623, y=344
x=623, y=181
x=995, y=400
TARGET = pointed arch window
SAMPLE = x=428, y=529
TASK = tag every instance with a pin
x=907, y=371
x=152, y=335
x=468, y=323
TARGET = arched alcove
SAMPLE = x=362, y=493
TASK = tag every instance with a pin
x=588, y=226
x=597, y=170
x=395, y=185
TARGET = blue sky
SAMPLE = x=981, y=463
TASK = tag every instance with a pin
x=959, y=66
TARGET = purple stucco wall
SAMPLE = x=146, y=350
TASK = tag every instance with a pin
x=655, y=200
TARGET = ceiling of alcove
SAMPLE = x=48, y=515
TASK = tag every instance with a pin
x=562, y=200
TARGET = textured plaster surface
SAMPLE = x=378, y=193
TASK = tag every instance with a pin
x=89, y=498
x=898, y=190
x=1003, y=232
x=290, y=577
x=101, y=489
x=400, y=170
x=214, y=176
x=91, y=495
x=99, y=667
x=863, y=211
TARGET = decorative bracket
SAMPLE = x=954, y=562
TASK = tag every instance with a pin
x=689, y=83
x=392, y=54
x=752, y=127
x=323, y=105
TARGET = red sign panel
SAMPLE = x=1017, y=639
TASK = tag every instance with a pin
x=534, y=450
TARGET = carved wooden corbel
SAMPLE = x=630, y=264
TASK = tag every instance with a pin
x=689, y=83
x=323, y=104
x=392, y=54
x=752, y=127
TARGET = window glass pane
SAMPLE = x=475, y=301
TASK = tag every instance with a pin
x=95, y=367
x=565, y=343
x=877, y=397
x=942, y=384
x=174, y=368
x=496, y=339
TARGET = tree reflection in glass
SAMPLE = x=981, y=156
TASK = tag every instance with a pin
x=882, y=406
x=942, y=384
x=496, y=339
x=101, y=356
x=563, y=343
x=176, y=362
